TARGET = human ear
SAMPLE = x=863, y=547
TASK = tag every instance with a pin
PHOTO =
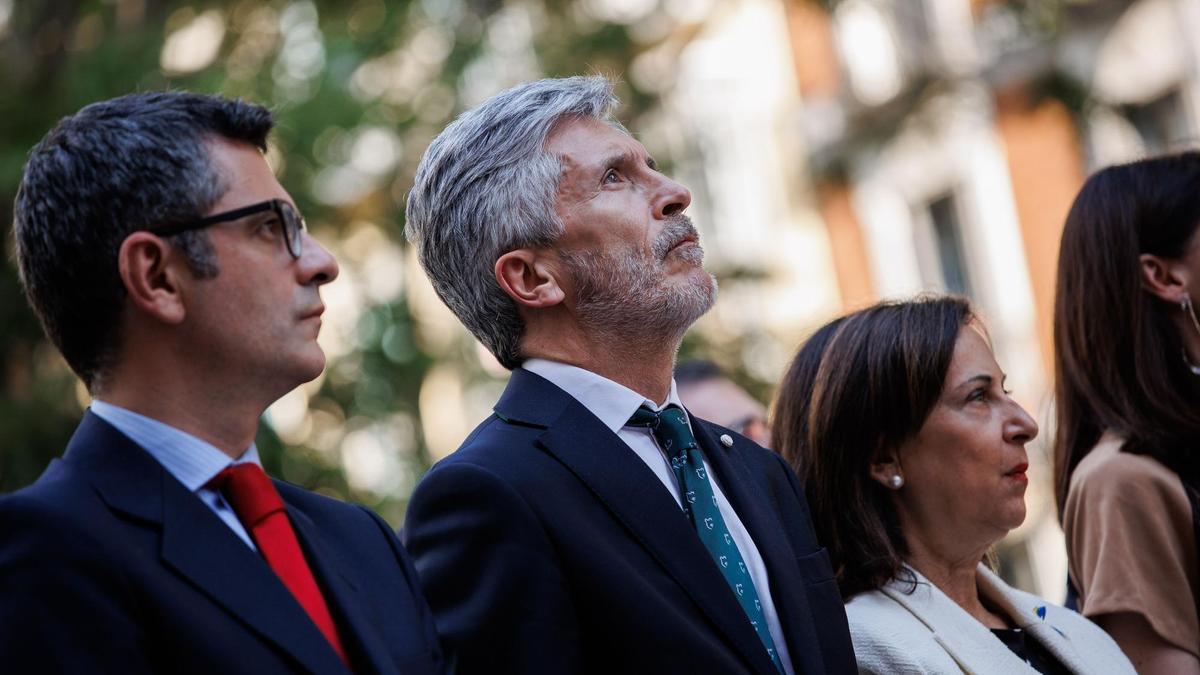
x=528, y=279
x=1165, y=278
x=886, y=470
x=151, y=282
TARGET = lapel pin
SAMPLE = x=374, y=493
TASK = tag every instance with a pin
x=727, y=440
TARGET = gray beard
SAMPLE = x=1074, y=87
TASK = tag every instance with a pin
x=626, y=297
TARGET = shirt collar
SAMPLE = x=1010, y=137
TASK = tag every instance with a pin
x=190, y=460
x=612, y=403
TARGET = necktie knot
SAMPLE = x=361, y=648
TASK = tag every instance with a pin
x=669, y=426
x=699, y=501
x=249, y=491
x=260, y=509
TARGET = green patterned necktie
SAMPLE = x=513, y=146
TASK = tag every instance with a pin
x=670, y=428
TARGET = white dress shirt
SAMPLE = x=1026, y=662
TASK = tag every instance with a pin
x=190, y=460
x=614, y=404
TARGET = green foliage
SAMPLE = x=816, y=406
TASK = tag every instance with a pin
x=311, y=62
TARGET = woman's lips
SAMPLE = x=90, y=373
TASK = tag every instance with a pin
x=1018, y=472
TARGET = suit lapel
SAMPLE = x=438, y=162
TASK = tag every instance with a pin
x=788, y=593
x=965, y=639
x=203, y=549
x=341, y=593
x=628, y=489
x=1033, y=615
x=196, y=544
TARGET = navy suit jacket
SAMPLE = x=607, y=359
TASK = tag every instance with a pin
x=109, y=565
x=545, y=545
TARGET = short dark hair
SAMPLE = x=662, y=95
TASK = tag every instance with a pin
x=880, y=377
x=695, y=371
x=789, y=417
x=115, y=167
x=1118, y=358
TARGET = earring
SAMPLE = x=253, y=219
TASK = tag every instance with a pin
x=1186, y=305
x=896, y=481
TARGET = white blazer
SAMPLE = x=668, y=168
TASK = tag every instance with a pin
x=927, y=632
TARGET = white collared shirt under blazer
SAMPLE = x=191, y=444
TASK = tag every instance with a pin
x=927, y=632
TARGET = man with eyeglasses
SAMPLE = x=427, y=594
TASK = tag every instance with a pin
x=176, y=277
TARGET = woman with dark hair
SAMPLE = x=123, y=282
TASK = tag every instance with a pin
x=1127, y=448
x=790, y=418
x=913, y=461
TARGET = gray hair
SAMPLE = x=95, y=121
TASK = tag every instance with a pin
x=487, y=186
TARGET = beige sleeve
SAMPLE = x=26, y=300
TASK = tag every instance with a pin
x=1131, y=545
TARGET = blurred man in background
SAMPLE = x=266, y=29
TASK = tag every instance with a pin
x=709, y=394
x=591, y=524
x=176, y=277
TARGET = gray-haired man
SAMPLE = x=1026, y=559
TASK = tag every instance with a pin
x=590, y=525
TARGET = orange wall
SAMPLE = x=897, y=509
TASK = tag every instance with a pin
x=849, y=251
x=1046, y=168
x=813, y=51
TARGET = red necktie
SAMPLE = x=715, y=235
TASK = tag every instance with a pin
x=260, y=509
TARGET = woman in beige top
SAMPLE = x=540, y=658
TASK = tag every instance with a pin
x=1127, y=449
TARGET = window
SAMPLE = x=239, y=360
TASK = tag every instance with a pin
x=940, y=250
x=1161, y=123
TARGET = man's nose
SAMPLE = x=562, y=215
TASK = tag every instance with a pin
x=672, y=199
x=316, y=264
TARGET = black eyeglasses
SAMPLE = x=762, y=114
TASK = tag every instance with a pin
x=293, y=222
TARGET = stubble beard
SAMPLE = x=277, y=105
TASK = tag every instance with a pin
x=625, y=296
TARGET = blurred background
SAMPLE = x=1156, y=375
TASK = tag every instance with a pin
x=838, y=151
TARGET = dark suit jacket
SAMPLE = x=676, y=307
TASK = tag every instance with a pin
x=545, y=545
x=109, y=565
